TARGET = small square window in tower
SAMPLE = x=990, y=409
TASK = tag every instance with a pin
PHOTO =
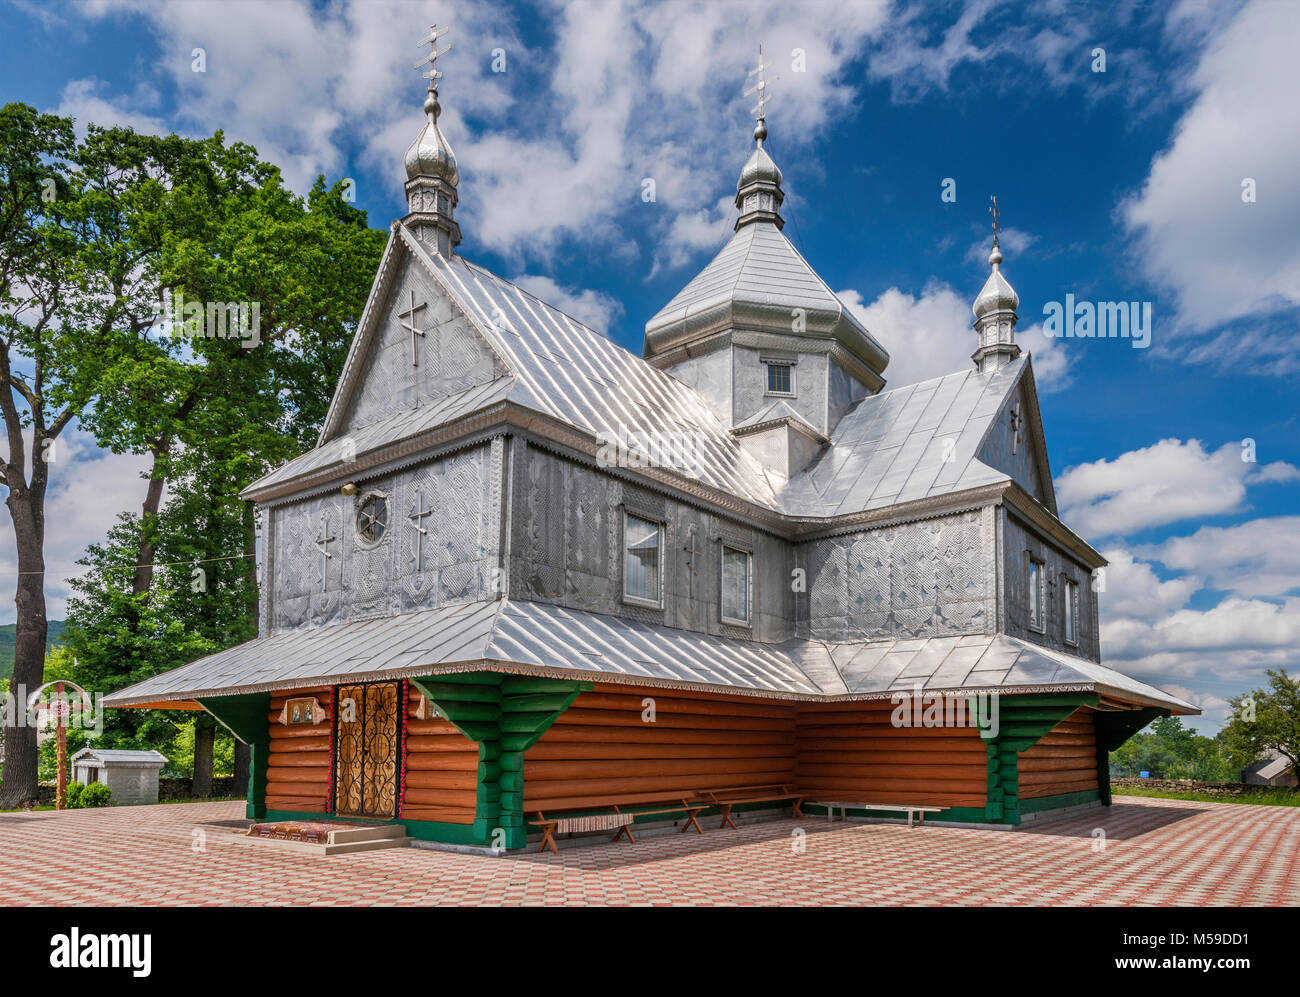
x=780, y=379
x=641, y=542
x=735, y=586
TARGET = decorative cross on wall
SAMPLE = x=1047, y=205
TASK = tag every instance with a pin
x=1017, y=427
x=691, y=554
x=420, y=531
x=322, y=544
x=408, y=324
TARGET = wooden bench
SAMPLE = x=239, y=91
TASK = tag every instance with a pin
x=730, y=796
x=615, y=815
x=910, y=810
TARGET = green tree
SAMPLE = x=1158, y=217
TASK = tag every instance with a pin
x=1266, y=721
x=77, y=287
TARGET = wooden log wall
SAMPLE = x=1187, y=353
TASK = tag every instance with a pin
x=600, y=751
x=442, y=769
x=851, y=753
x=298, y=765
x=1064, y=761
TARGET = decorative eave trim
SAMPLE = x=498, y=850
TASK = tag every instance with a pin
x=1028, y=508
x=731, y=333
x=932, y=507
x=793, y=421
x=514, y=668
x=361, y=338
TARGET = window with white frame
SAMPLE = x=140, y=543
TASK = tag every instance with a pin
x=1037, y=594
x=1071, y=611
x=780, y=377
x=642, y=540
x=737, y=568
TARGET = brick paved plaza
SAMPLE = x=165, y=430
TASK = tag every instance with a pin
x=1158, y=852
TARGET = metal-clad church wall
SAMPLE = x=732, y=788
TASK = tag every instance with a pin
x=928, y=578
x=405, y=571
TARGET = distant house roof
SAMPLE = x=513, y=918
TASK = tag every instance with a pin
x=118, y=756
x=534, y=638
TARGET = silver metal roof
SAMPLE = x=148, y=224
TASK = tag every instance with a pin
x=535, y=638
x=560, y=369
x=910, y=443
x=398, y=426
x=755, y=282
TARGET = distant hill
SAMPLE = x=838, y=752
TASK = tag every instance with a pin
x=9, y=632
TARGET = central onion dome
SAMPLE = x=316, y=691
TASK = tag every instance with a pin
x=997, y=295
x=759, y=292
x=430, y=154
x=758, y=191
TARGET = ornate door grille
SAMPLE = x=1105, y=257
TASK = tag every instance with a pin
x=366, y=735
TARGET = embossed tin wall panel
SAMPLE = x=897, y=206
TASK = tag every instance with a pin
x=405, y=571
x=450, y=355
x=921, y=579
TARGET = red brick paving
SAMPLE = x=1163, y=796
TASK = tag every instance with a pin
x=1157, y=852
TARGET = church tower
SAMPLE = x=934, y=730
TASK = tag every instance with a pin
x=760, y=336
x=995, y=312
x=431, y=173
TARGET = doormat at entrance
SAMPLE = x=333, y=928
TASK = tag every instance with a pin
x=307, y=831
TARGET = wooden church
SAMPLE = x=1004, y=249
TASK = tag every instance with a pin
x=528, y=581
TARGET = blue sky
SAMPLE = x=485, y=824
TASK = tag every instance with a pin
x=1117, y=185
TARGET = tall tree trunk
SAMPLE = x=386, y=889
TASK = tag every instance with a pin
x=205, y=732
x=26, y=509
x=144, y=564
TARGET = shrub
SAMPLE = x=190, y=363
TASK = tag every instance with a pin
x=94, y=795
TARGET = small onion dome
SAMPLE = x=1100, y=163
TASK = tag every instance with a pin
x=998, y=295
x=430, y=154
x=760, y=167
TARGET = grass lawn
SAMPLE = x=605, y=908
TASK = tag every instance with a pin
x=1268, y=796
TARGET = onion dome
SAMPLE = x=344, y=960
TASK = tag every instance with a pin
x=998, y=295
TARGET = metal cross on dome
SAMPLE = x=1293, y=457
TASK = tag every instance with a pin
x=407, y=318
x=431, y=60
x=760, y=88
x=996, y=215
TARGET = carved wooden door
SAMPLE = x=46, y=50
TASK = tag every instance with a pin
x=366, y=734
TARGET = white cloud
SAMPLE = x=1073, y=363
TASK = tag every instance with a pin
x=594, y=309
x=1260, y=557
x=1166, y=482
x=1013, y=242
x=930, y=334
x=89, y=487
x=1222, y=258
